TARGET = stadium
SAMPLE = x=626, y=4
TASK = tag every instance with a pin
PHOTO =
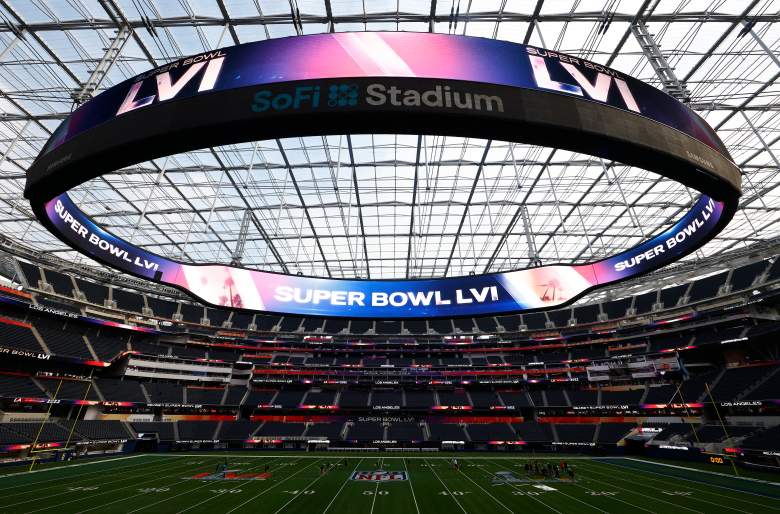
x=390, y=256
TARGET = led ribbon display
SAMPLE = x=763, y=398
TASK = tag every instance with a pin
x=384, y=83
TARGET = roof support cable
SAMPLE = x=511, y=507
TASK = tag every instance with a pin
x=156, y=184
x=669, y=81
x=111, y=55
x=749, y=29
x=629, y=208
x=16, y=40
x=766, y=147
x=533, y=254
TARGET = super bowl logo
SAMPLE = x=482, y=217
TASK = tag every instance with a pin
x=230, y=474
x=379, y=476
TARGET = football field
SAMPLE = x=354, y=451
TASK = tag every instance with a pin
x=373, y=484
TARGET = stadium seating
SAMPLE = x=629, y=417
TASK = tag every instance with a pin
x=330, y=431
x=320, y=398
x=365, y=431
x=18, y=336
x=405, y=409
x=259, y=397
x=353, y=398
x=164, y=392
x=490, y=432
x=99, y=430
x=11, y=386
x=27, y=432
x=278, y=429
x=120, y=390
x=767, y=439
x=533, y=432
x=61, y=341
x=575, y=433
x=61, y=283
x=420, y=399
x=407, y=432
x=127, y=301
x=237, y=430
x=447, y=432
x=674, y=430
x=69, y=389
x=234, y=395
x=517, y=399
x=769, y=389
x=196, y=430
x=381, y=397
x=736, y=380
x=94, y=293
x=165, y=431
x=107, y=347
x=612, y=433
x=205, y=395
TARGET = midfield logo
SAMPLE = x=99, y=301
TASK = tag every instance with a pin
x=379, y=476
x=231, y=474
x=506, y=477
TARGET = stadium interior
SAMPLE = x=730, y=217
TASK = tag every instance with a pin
x=681, y=364
x=655, y=369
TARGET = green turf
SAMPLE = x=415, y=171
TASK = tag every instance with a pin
x=157, y=483
x=726, y=468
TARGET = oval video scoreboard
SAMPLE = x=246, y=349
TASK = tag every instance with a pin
x=384, y=83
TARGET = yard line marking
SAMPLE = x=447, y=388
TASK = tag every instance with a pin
x=633, y=505
x=727, y=488
x=686, y=468
x=589, y=479
x=704, y=491
x=409, y=476
x=484, y=490
x=445, y=486
x=538, y=500
x=376, y=489
x=111, y=491
x=166, y=498
x=560, y=491
x=610, y=497
x=164, y=466
x=299, y=493
x=335, y=455
x=140, y=494
x=238, y=484
x=69, y=477
x=346, y=481
x=268, y=489
x=654, y=498
x=97, y=461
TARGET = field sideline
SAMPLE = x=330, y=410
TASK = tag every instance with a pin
x=294, y=484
